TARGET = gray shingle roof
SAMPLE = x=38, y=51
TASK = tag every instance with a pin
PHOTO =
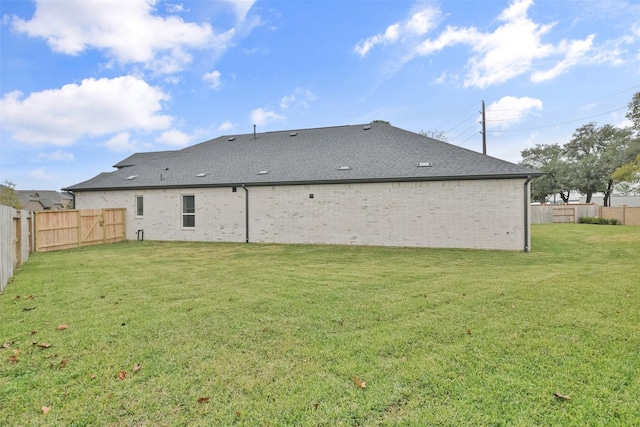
x=379, y=153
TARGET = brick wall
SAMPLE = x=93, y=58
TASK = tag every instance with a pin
x=459, y=214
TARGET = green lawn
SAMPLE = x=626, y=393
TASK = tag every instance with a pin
x=272, y=335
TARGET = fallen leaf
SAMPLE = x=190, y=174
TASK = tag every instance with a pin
x=359, y=383
x=204, y=400
x=137, y=368
x=13, y=359
x=31, y=297
x=6, y=345
x=237, y=414
x=468, y=331
x=62, y=327
x=28, y=308
x=93, y=376
x=315, y=405
x=44, y=345
x=17, y=351
x=562, y=396
x=17, y=296
x=122, y=375
x=34, y=332
x=64, y=363
x=265, y=329
x=46, y=409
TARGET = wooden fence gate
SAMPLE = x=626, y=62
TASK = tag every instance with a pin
x=66, y=229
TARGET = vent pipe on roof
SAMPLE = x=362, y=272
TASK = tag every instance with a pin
x=254, y=132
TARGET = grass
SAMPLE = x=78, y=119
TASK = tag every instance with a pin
x=271, y=335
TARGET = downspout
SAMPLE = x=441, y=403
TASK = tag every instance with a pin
x=526, y=213
x=246, y=212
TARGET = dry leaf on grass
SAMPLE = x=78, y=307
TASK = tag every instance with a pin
x=562, y=396
x=137, y=368
x=13, y=359
x=64, y=363
x=93, y=376
x=45, y=409
x=359, y=383
x=6, y=345
x=44, y=345
x=122, y=375
x=62, y=327
x=204, y=400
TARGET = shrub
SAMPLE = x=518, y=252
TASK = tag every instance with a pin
x=597, y=220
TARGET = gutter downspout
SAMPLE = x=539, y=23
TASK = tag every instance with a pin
x=246, y=212
x=526, y=213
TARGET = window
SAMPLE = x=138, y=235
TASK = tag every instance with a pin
x=139, y=206
x=188, y=211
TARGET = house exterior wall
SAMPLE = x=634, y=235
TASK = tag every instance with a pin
x=445, y=214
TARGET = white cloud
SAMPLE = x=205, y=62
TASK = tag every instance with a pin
x=41, y=174
x=262, y=117
x=57, y=156
x=575, y=50
x=121, y=143
x=300, y=96
x=175, y=138
x=176, y=8
x=420, y=22
x=213, y=78
x=510, y=110
x=92, y=108
x=241, y=7
x=514, y=48
x=227, y=125
x=128, y=31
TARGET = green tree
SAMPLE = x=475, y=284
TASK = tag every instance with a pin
x=634, y=111
x=549, y=159
x=8, y=196
x=588, y=172
x=629, y=172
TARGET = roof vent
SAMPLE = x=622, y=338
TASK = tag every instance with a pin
x=367, y=127
x=262, y=172
x=293, y=133
x=201, y=175
x=232, y=138
x=131, y=177
x=424, y=164
x=344, y=168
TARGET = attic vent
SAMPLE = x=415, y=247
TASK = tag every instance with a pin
x=201, y=175
x=131, y=177
x=293, y=133
x=262, y=172
x=424, y=164
x=344, y=168
x=367, y=127
x=233, y=138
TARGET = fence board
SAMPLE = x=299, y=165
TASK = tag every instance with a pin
x=14, y=241
x=56, y=230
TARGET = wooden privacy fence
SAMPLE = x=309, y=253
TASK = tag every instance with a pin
x=556, y=214
x=55, y=230
x=15, y=242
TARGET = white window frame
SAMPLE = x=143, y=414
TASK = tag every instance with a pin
x=137, y=206
x=184, y=214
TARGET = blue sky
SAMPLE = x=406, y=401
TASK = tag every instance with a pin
x=86, y=83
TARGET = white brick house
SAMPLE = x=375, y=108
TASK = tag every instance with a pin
x=362, y=184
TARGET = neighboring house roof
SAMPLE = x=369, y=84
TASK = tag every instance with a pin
x=375, y=152
x=48, y=199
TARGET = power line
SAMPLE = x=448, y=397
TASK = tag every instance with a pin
x=558, y=124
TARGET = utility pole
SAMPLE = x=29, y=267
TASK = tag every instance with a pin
x=484, y=131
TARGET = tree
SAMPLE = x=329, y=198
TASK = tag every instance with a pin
x=634, y=111
x=439, y=135
x=588, y=173
x=621, y=148
x=629, y=172
x=8, y=196
x=549, y=159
